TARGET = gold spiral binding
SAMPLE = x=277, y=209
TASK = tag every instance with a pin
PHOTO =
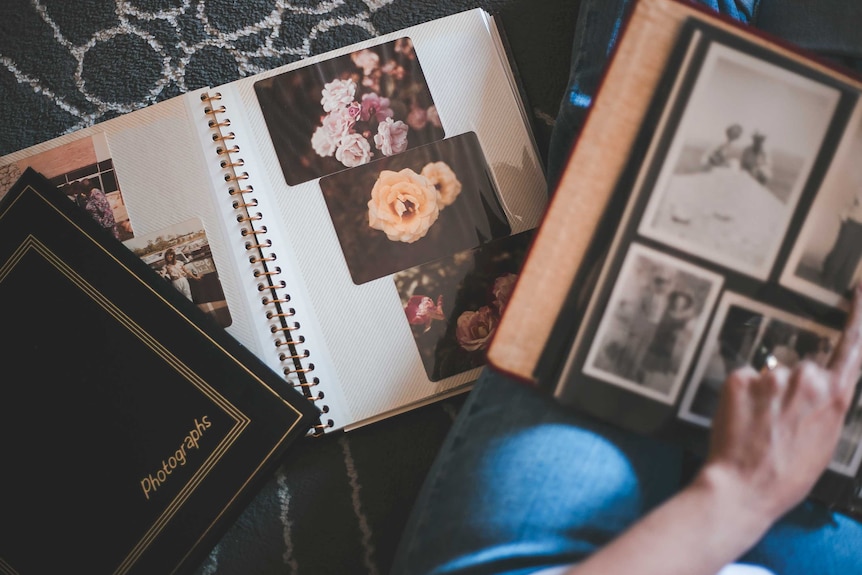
x=249, y=218
x=284, y=328
x=278, y=285
x=309, y=369
x=320, y=429
x=313, y=383
x=252, y=204
x=240, y=191
x=292, y=358
x=250, y=246
x=236, y=164
x=267, y=301
x=234, y=177
x=260, y=274
x=273, y=315
x=253, y=232
x=291, y=342
x=285, y=357
x=224, y=138
x=207, y=97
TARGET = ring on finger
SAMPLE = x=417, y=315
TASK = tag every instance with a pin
x=770, y=362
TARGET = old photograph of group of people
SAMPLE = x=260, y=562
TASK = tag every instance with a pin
x=751, y=180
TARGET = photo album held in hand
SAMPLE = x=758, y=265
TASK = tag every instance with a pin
x=710, y=215
x=352, y=218
x=134, y=430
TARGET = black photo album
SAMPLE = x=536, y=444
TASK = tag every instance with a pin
x=134, y=428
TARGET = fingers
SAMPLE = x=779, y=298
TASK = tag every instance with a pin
x=761, y=390
x=846, y=360
x=770, y=388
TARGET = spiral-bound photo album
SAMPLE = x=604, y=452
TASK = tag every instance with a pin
x=720, y=227
x=355, y=219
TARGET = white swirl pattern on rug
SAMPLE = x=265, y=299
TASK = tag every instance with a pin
x=132, y=22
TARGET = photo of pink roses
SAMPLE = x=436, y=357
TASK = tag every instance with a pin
x=453, y=305
x=348, y=111
x=415, y=207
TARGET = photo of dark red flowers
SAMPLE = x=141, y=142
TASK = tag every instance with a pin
x=348, y=111
x=454, y=304
x=413, y=208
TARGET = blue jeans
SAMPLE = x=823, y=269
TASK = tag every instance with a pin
x=521, y=483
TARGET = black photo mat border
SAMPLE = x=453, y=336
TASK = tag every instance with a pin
x=585, y=306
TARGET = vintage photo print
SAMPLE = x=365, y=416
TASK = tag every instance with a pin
x=738, y=161
x=848, y=454
x=182, y=256
x=453, y=305
x=826, y=261
x=652, y=324
x=744, y=332
x=83, y=169
x=348, y=110
x=413, y=208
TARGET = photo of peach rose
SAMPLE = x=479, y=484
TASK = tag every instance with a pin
x=453, y=305
x=421, y=205
x=348, y=111
x=403, y=205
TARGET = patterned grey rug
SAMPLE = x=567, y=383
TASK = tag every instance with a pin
x=338, y=503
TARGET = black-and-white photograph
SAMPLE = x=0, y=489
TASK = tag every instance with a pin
x=848, y=454
x=738, y=161
x=744, y=332
x=655, y=316
x=825, y=261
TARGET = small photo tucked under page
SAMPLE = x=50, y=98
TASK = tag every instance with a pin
x=738, y=161
x=744, y=332
x=348, y=111
x=651, y=326
x=181, y=254
x=826, y=261
x=413, y=208
x=83, y=169
x=848, y=454
x=454, y=304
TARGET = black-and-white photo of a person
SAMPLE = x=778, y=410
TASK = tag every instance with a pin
x=655, y=315
x=840, y=264
x=826, y=260
x=755, y=160
x=738, y=161
x=724, y=155
x=848, y=454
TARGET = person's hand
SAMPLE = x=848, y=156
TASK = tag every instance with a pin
x=775, y=432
